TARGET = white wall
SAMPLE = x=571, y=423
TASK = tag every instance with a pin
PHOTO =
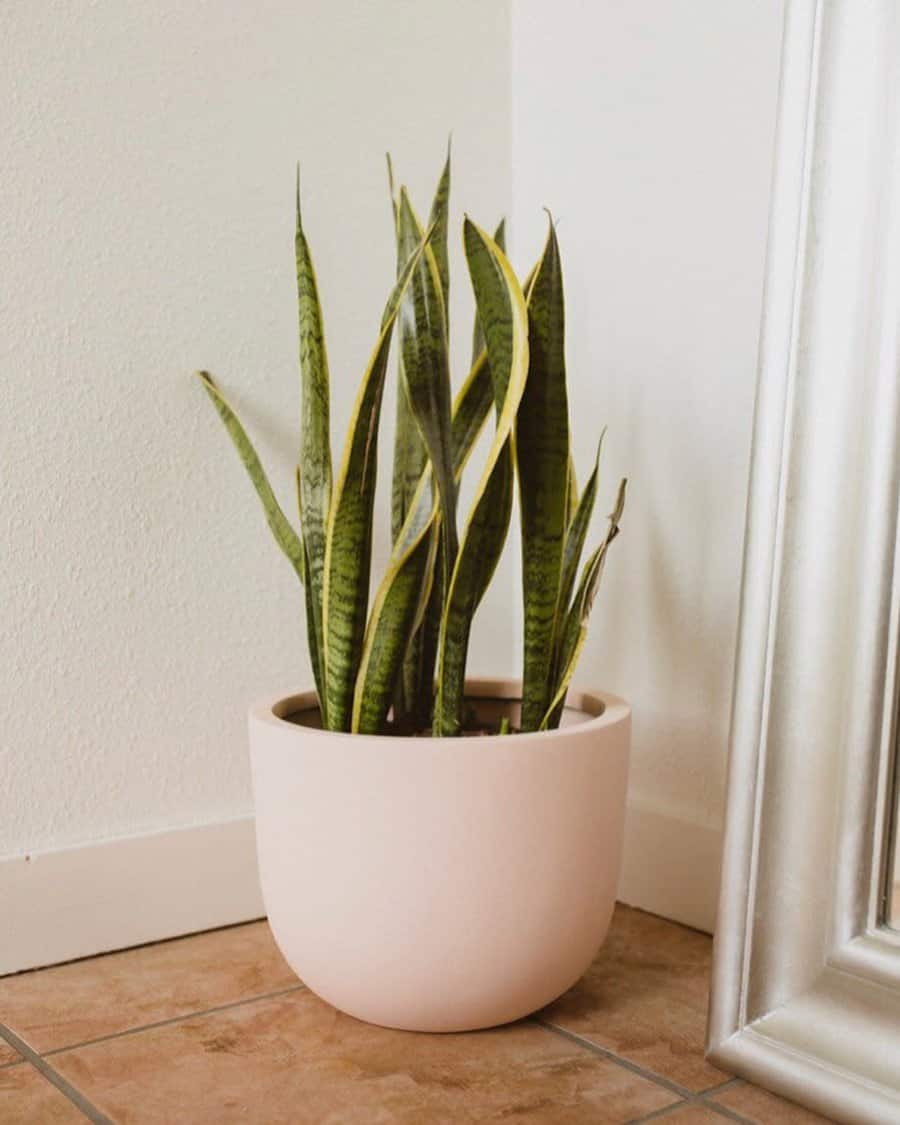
x=647, y=127
x=147, y=229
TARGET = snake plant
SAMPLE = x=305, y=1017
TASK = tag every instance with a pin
x=400, y=663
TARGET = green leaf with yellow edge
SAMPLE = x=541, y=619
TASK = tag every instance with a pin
x=409, y=449
x=393, y=192
x=417, y=681
x=409, y=457
x=571, y=491
x=542, y=451
x=313, y=626
x=282, y=530
x=407, y=586
x=480, y=397
x=348, y=547
x=426, y=367
x=314, y=487
x=410, y=454
x=418, y=671
x=574, y=545
x=575, y=627
x=504, y=318
x=438, y=218
x=480, y=552
x=477, y=334
x=396, y=615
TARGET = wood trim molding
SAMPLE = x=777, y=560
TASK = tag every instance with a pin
x=91, y=899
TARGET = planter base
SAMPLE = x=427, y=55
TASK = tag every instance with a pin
x=440, y=884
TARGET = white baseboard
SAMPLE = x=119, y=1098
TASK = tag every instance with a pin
x=671, y=864
x=65, y=904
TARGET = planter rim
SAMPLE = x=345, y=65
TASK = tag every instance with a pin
x=604, y=709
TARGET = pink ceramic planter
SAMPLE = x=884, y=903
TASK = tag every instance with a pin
x=440, y=884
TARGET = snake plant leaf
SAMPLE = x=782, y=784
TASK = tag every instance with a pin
x=469, y=414
x=391, y=189
x=574, y=545
x=477, y=334
x=479, y=554
x=409, y=449
x=501, y=307
x=439, y=218
x=348, y=546
x=285, y=535
x=470, y=410
x=408, y=587
x=313, y=634
x=419, y=680
x=397, y=611
x=409, y=457
x=542, y=449
x=575, y=628
x=419, y=665
x=315, y=437
x=426, y=368
x=571, y=491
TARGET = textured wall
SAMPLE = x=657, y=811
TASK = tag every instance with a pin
x=146, y=229
x=147, y=155
x=648, y=128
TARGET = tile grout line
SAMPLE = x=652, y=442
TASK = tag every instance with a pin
x=667, y=1084
x=65, y=1087
x=173, y=1019
x=656, y=1114
x=719, y=1088
x=694, y=1100
x=686, y=1096
x=725, y=1111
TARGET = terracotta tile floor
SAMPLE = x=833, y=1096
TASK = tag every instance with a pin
x=215, y=1028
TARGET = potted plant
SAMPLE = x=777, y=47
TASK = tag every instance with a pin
x=412, y=877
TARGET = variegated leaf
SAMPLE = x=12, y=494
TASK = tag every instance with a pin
x=411, y=701
x=438, y=218
x=574, y=545
x=282, y=530
x=313, y=629
x=407, y=586
x=396, y=615
x=315, y=438
x=409, y=449
x=542, y=450
x=426, y=368
x=349, y=534
x=504, y=318
x=575, y=628
x=477, y=334
x=571, y=491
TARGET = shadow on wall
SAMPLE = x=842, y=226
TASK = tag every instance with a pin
x=675, y=595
